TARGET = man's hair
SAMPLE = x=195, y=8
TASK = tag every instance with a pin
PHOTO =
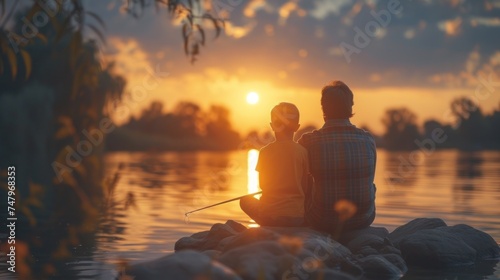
x=337, y=101
x=285, y=115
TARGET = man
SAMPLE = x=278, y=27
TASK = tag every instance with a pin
x=342, y=163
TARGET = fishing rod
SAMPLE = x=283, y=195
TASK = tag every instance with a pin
x=226, y=201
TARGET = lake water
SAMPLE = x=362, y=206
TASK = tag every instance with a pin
x=455, y=186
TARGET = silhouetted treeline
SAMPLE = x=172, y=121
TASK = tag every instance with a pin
x=186, y=127
x=471, y=129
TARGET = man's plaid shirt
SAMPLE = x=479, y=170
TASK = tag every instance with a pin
x=342, y=163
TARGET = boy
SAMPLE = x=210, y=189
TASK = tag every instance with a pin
x=283, y=171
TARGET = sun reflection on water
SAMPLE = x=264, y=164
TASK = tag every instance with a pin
x=253, y=177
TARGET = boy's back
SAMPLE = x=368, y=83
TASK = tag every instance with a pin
x=283, y=171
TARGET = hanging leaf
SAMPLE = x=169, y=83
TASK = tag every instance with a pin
x=217, y=29
x=64, y=26
x=99, y=34
x=202, y=33
x=215, y=23
x=42, y=37
x=27, y=63
x=11, y=56
x=2, y=8
x=185, y=37
x=98, y=19
x=1, y=64
x=75, y=47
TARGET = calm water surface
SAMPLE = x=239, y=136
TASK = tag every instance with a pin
x=455, y=186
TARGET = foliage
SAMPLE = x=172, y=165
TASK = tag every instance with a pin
x=471, y=130
x=193, y=15
x=187, y=126
x=46, y=113
x=401, y=128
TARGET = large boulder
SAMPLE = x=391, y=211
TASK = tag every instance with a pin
x=249, y=236
x=432, y=248
x=209, y=240
x=412, y=227
x=485, y=246
x=397, y=261
x=327, y=250
x=448, y=246
x=323, y=274
x=184, y=265
x=259, y=260
x=378, y=267
x=347, y=236
x=367, y=240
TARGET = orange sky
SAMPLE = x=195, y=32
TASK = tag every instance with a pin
x=217, y=86
x=422, y=57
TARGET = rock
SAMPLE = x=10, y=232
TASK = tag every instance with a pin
x=412, y=227
x=182, y=265
x=259, y=260
x=433, y=248
x=370, y=240
x=485, y=246
x=378, y=267
x=303, y=253
x=346, y=237
x=222, y=244
x=390, y=250
x=209, y=240
x=397, y=261
x=249, y=236
x=213, y=254
x=366, y=251
x=236, y=226
x=328, y=274
x=329, y=251
x=295, y=231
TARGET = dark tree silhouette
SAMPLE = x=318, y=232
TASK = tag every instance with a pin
x=401, y=129
x=186, y=127
x=471, y=124
x=218, y=127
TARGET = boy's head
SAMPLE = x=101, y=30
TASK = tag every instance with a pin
x=285, y=117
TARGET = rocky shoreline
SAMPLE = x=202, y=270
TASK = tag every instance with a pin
x=231, y=251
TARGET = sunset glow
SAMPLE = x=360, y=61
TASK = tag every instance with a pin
x=252, y=98
x=143, y=136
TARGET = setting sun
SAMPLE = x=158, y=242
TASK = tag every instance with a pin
x=252, y=98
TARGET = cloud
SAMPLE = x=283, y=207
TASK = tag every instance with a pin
x=255, y=5
x=239, y=31
x=473, y=61
x=130, y=58
x=324, y=8
x=451, y=27
x=287, y=9
x=492, y=22
x=475, y=68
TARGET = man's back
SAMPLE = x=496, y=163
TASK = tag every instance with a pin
x=342, y=161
